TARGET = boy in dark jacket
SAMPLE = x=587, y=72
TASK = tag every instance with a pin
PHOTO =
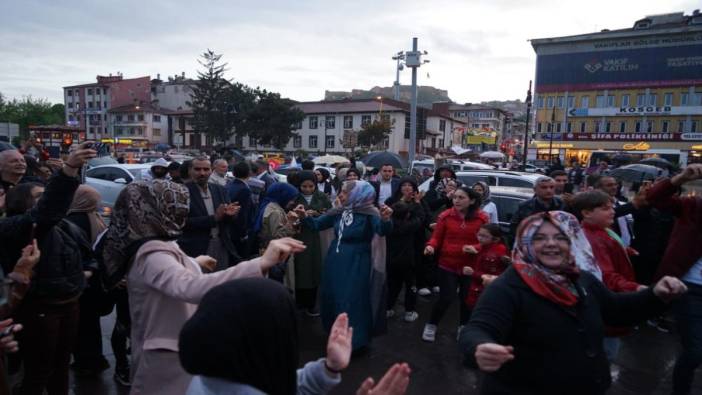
x=401, y=257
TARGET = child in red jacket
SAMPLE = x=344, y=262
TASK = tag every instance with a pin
x=597, y=213
x=490, y=261
x=455, y=227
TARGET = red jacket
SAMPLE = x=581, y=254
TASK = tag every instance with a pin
x=685, y=243
x=487, y=261
x=617, y=272
x=451, y=233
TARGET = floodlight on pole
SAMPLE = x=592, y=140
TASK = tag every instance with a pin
x=413, y=60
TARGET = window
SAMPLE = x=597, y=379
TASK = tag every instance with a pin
x=585, y=102
x=668, y=99
x=610, y=101
x=71, y=118
x=560, y=101
x=365, y=120
x=558, y=127
x=156, y=132
x=70, y=104
x=684, y=98
x=130, y=118
x=157, y=118
x=652, y=100
x=608, y=127
x=549, y=102
x=693, y=127
x=664, y=126
x=622, y=127
x=549, y=127
x=239, y=141
x=252, y=141
x=599, y=101
x=90, y=104
x=641, y=100
x=625, y=100
x=348, y=122
x=571, y=101
x=506, y=206
x=330, y=141
x=441, y=143
x=313, y=122
x=104, y=104
x=90, y=91
x=69, y=92
x=104, y=117
x=297, y=141
x=681, y=126
x=569, y=127
x=538, y=128
x=118, y=118
x=92, y=130
x=582, y=127
x=597, y=127
x=649, y=126
x=442, y=125
x=514, y=182
x=297, y=125
x=329, y=122
x=140, y=117
x=312, y=141
x=638, y=127
x=540, y=102
x=433, y=142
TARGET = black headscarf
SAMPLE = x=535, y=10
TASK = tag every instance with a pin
x=397, y=196
x=437, y=173
x=244, y=331
x=306, y=175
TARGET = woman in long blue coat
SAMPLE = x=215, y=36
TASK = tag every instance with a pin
x=353, y=276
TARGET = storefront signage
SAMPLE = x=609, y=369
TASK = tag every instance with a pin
x=640, y=146
x=479, y=140
x=697, y=147
x=626, y=136
x=638, y=110
x=554, y=145
x=645, y=110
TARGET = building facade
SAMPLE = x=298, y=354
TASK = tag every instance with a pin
x=172, y=96
x=484, y=126
x=635, y=90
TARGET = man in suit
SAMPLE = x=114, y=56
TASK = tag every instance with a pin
x=207, y=229
x=261, y=169
x=386, y=186
x=239, y=192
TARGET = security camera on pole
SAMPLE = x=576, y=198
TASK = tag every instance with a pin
x=413, y=60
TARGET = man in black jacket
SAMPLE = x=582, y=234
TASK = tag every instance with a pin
x=544, y=199
x=49, y=312
x=206, y=230
x=239, y=192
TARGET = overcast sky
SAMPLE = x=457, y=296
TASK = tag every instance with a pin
x=478, y=49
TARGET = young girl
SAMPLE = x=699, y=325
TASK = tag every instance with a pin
x=455, y=228
x=308, y=264
x=490, y=261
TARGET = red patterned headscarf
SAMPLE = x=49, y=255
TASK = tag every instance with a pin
x=556, y=285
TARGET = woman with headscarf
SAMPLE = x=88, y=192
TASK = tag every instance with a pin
x=308, y=265
x=164, y=284
x=88, y=359
x=487, y=205
x=353, y=274
x=538, y=328
x=323, y=181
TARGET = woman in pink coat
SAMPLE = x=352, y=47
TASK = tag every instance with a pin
x=165, y=285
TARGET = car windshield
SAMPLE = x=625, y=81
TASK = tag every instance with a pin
x=102, y=160
x=136, y=173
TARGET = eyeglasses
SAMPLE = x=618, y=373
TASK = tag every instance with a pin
x=543, y=239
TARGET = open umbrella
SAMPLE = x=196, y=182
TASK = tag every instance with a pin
x=329, y=160
x=658, y=162
x=492, y=155
x=636, y=173
x=378, y=159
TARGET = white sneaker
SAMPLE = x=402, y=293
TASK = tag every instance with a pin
x=458, y=332
x=424, y=292
x=436, y=290
x=429, y=333
x=411, y=316
x=390, y=313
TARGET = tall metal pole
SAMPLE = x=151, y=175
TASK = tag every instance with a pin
x=413, y=108
x=396, y=93
x=526, y=128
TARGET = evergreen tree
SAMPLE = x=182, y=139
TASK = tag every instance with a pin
x=375, y=133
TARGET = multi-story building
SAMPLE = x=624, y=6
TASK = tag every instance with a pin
x=138, y=125
x=483, y=124
x=172, y=96
x=328, y=124
x=637, y=90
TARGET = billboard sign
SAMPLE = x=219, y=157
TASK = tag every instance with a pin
x=625, y=136
x=634, y=111
x=621, y=66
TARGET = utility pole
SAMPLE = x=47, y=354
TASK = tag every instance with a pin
x=399, y=57
x=413, y=60
x=526, y=128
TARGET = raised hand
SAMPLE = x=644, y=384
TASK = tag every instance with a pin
x=279, y=250
x=77, y=158
x=394, y=382
x=690, y=173
x=339, y=344
x=490, y=356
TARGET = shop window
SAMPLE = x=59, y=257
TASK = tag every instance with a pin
x=637, y=129
x=622, y=127
x=664, y=126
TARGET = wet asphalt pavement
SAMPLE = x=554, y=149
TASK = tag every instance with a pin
x=646, y=359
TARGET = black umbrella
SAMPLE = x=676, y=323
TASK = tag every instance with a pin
x=658, y=162
x=377, y=159
x=636, y=173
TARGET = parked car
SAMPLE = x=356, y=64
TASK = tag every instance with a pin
x=110, y=179
x=493, y=178
x=468, y=165
x=507, y=199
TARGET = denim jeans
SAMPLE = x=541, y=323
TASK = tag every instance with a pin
x=688, y=314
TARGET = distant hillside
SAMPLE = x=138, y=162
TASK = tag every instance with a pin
x=426, y=95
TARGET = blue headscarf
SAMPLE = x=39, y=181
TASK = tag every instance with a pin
x=280, y=193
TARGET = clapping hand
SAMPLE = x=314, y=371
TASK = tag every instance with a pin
x=490, y=356
x=669, y=288
x=339, y=344
x=394, y=382
x=7, y=338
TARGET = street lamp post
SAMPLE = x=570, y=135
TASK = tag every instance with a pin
x=526, y=128
x=399, y=57
x=413, y=60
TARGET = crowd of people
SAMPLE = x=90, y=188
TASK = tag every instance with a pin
x=208, y=263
